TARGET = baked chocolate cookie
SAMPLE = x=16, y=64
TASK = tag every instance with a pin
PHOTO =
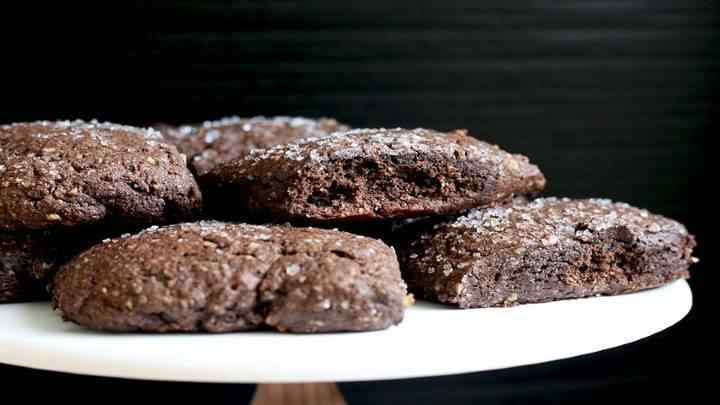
x=220, y=277
x=369, y=174
x=70, y=173
x=548, y=249
x=215, y=142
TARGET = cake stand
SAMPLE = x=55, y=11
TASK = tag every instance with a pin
x=432, y=340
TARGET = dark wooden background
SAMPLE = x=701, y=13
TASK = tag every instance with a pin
x=611, y=98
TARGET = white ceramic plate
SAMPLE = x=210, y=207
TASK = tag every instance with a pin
x=433, y=340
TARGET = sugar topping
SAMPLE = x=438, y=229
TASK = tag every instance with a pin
x=79, y=169
x=78, y=129
x=219, y=141
x=550, y=221
x=249, y=124
x=261, y=233
x=358, y=142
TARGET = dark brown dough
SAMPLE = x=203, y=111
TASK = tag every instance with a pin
x=29, y=259
x=545, y=250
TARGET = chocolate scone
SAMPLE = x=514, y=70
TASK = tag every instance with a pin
x=548, y=249
x=220, y=277
x=67, y=173
x=215, y=142
x=368, y=174
x=66, y=185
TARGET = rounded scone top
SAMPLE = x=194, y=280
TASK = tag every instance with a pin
x=361, y=143
x=552, y=221
x=223, y=277
x=546, y=224
x=76, y=172
x=215, y=142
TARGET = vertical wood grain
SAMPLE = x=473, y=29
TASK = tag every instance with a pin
x=298, y=394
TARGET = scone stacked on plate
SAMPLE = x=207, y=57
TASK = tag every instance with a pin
x=66, y=185
x=222, y=277
x=458, y=211
x=544, y=250
x=366, y=175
